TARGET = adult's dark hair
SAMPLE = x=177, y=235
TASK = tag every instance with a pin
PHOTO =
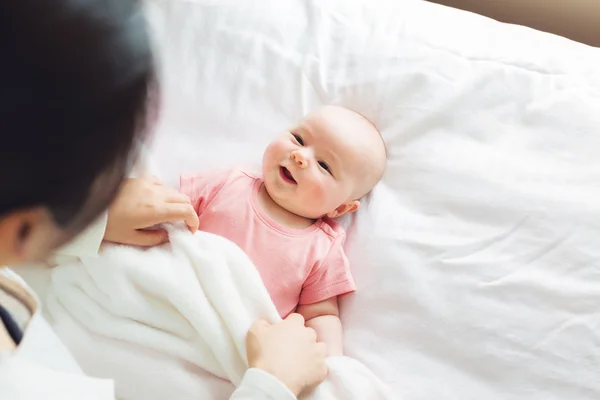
x=74, y=77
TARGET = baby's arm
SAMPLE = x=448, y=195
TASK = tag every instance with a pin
x=324, y=318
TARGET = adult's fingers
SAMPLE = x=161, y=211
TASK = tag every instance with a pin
x=259, y=325
x=173, y=212
x=295, y=318
x=312, y=334
x=176, y=197
x=154, y=179
x=193, y=222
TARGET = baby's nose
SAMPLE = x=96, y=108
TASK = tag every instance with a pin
x=299, y=158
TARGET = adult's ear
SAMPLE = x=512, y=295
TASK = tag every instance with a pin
x=25, y=235
x=345, y=208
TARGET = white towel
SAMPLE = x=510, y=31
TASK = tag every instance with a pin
x=194, y=299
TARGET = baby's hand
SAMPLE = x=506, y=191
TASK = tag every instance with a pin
x=323, y=317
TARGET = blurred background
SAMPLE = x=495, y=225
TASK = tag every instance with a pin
x=575, y=19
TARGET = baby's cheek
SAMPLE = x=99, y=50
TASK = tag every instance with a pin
x=271, y=154
x=270, y=150
x=319, y=193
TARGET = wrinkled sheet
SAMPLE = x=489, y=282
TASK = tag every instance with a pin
x=477, y=259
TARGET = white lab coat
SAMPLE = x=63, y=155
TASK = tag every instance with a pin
x=42, y=368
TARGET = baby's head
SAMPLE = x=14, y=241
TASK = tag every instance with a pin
x=324, y=165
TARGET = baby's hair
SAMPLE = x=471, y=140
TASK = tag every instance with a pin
x=376, y=128
x=385, y=150
x=378, y=177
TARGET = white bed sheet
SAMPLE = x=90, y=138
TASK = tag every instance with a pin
x=477, y=259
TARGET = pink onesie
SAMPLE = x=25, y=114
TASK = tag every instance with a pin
x=297, y=266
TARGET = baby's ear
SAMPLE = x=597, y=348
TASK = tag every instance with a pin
x=345, y=208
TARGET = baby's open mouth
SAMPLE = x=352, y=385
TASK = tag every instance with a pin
x=286, y=175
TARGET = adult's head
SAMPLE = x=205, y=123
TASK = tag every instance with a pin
x=74, y=80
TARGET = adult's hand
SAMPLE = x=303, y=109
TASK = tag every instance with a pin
x=142, y=204
x=289, y=351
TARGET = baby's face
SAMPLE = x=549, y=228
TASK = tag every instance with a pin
x=325, y=164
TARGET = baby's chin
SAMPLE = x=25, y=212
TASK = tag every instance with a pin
x=294, y=207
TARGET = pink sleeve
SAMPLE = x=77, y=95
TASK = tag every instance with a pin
x=202, y=187
x=329, y=279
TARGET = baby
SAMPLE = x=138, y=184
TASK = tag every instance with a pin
x=282, y=218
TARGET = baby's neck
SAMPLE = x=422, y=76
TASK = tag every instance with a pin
x=280, y=214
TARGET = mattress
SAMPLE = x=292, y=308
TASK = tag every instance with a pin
x=476, y=258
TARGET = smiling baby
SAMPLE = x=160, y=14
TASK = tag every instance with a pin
x=283, y=217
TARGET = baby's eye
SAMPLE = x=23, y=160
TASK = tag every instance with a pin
x=324, y=165
x=298, y=139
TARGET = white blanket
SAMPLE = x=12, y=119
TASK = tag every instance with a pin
x=193, y=300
